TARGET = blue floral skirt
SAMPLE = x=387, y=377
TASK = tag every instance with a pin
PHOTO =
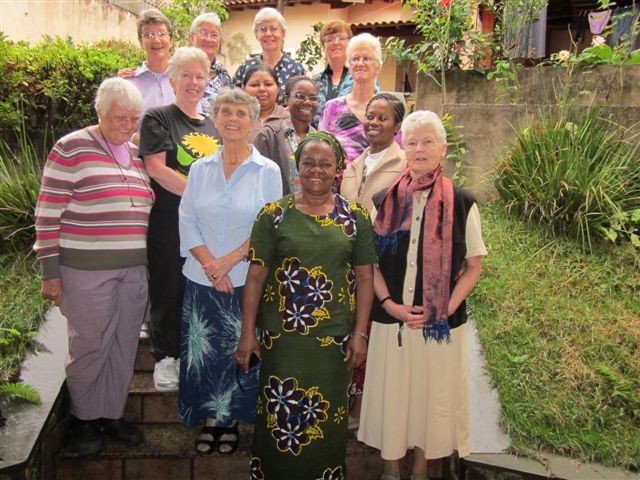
x=302, y=408
x=211, y=385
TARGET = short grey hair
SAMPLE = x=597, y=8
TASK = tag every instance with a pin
x=236, y=96
x=120, y=91
x=210, y=17
x=184, y=55
x=424, y=118
x=266, y=14
x=153, y=16
x=368, y=41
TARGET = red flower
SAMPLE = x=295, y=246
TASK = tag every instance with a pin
x=445, y=3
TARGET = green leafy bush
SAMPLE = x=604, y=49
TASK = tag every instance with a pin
x=50, y=87
x=21, y=311
x=580, y=178
x=20, y=172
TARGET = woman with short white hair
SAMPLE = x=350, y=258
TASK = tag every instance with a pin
x=91, y=241
x=171, y=139
x=206, y=34
x=430, y=250
x=270, y=28
x=224, y=194
x=344, y=116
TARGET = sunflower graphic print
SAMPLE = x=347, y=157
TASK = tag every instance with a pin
x=306, y=312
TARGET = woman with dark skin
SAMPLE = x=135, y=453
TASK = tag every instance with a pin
x=371, y=172
x=309, y=290
x=278, y=140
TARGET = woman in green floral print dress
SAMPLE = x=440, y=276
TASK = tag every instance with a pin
x=310, y=289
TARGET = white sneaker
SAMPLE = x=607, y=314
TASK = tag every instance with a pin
x=176, y=365
x=144, y=331
x=353, y=423
x=164, y=375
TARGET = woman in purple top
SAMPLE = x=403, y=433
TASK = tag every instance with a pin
x=343, y=116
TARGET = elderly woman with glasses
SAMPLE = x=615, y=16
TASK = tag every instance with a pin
x=270, y=28
x=279, y=139
x=335, y=80
x=309, y=289
x=206, y=34
x=430, y=250
x=91, y=240
x=344, y=116
x=152, y=78
x=223, y=195
x=171, y=139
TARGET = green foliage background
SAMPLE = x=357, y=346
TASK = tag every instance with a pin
x=48, y=89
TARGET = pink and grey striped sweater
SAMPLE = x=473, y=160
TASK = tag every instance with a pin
x=91, y=214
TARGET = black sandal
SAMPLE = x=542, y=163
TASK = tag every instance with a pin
x=204, y=446
x=232, y=445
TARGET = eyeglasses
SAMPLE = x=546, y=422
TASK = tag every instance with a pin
x=208, y=34
x=336, y=39
x=120, y=119
x=268, y=28
x=303, y=98
x=154, y=35
x=364, y=60
x=253, y=361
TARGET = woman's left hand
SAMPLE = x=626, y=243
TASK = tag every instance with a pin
x=356, y=351
x=223, y=284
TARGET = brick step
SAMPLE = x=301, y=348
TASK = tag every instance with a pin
x=168, y=452
x=144, y=359
x=146, y=405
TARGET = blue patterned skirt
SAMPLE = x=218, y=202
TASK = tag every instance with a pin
x=211, y=385
x=302, y=408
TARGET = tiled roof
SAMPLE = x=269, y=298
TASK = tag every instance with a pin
x=395, y=23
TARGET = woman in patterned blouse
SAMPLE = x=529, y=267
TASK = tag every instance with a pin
x=309, y=288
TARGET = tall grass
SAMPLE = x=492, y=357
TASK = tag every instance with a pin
x=579, y=177
x=560, y=330
x=20, y=173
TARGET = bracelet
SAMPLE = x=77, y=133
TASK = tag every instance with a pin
x=362, y=334
x=245, y=256
x=388, y=297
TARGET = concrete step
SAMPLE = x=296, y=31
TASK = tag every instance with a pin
x=168, y=452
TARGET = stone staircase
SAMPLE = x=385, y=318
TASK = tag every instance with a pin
x=168, y=451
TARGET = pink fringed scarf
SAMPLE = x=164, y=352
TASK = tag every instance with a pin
x=394, y=219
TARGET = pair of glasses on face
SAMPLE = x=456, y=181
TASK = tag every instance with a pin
x=154, y=35
x=123, y=119
x=208, y=34
x=336, y=39
x=364, y=60
x=268, y=28
x=303, y=98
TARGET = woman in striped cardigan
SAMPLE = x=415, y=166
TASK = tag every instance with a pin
x=91, y=241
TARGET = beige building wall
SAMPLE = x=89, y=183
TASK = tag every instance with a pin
x=82, y=20
x=239, y=40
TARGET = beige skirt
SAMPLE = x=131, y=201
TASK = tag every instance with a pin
x=416, y=395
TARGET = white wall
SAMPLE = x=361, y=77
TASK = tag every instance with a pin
x=82, y=20
x=239, y=40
